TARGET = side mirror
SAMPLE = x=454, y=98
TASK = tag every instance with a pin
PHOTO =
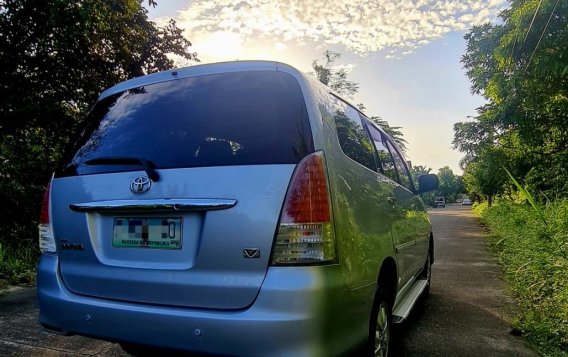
x=427, y=183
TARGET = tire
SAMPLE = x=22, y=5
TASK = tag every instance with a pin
x=137, y=350
x=380, y=326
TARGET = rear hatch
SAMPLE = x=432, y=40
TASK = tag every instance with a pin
x=220, y=150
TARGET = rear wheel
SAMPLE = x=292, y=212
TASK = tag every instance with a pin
x=380, y=326
x=133, y=350
x=147, y=351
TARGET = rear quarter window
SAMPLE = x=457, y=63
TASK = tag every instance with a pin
x=352, y=136
x=386, y=163
x=236, y=118
x=403, y=174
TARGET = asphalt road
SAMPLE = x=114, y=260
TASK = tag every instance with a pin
x=465, y=315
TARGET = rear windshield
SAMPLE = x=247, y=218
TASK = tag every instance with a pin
x=238, y=118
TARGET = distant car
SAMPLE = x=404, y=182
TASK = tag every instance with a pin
x=466, y=202
x=440, y=202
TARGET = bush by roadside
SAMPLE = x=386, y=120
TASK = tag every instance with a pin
x=532, y=245
x=17, y=265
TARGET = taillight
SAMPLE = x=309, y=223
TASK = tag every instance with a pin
x=46, y=239
x=305, y=234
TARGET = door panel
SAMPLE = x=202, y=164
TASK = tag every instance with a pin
x=398, y=202
x=413, y=224
x=359, y=195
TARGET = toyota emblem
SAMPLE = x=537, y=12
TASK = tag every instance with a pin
x=140, y=184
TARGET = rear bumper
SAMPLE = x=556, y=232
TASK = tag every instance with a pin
x=291, y=316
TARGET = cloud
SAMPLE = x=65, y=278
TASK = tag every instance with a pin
x=360, y=26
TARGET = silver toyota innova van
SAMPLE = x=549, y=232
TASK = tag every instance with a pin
x=236, y=209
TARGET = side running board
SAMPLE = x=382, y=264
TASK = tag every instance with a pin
x=402, y=310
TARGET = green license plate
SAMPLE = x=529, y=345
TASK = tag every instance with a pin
x=157, y=233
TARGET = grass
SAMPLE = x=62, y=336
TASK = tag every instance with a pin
x=17, y=265
x=531, y=241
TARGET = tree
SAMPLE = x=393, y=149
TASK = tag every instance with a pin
x=418, y=170
x=519, y=66
x=336, y=79
x=449, y=186
x=485, y=176
x=56, y=56
x=394, y=132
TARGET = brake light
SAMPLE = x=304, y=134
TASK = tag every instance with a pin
x=305, y=233
x=46, y=239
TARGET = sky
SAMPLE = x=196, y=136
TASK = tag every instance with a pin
x=405, y=54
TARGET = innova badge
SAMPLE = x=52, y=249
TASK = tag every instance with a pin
x=140, y=184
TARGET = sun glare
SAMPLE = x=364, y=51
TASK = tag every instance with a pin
x=219, y=46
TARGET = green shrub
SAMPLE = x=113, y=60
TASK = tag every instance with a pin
x=17, y=265
x=478, y=208
x=532, y=245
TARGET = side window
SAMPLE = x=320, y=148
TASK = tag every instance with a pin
x=353, y=137
x=385, y=158
x=401, y=168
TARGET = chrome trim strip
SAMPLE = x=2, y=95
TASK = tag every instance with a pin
x=156, y=205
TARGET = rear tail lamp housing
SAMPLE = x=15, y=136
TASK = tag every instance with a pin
x=305, y=234
x=46, y=238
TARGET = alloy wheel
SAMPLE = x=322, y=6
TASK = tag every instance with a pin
x=382, y=331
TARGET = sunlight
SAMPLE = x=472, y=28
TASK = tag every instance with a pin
x=219, y=46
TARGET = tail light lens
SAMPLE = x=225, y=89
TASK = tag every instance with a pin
x=46, y=239
x=305, y=233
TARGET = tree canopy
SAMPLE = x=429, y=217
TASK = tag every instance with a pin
x=56, y=56
x=519, y=65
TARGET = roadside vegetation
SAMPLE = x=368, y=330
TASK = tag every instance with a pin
x=17, y=265
x=532, y=246
x=519, y=66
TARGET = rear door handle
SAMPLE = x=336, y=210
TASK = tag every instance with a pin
x=392, y=200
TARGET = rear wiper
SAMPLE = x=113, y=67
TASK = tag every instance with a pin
x=148, y=165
